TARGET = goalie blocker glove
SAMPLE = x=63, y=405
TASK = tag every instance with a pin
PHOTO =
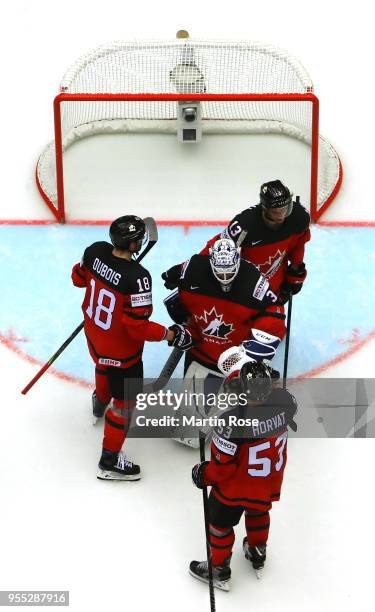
x=182, y=338
x=294, y=279
x=261, y=345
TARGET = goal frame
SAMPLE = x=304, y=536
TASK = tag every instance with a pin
x=315, y=213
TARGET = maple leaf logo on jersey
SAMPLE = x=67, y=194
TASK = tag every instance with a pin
x=215, y=326
x=272, y=264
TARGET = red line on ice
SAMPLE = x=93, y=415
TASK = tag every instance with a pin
x=9, y=343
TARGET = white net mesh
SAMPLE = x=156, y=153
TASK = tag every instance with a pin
x=182, y=67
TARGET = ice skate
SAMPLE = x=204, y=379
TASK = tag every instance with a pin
x=98, y=409
x=256, y=555
x=220, y=573
x=115, y=466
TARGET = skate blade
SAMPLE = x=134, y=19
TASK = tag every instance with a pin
x=258, y=572
x=218, y=584
x=106, y=475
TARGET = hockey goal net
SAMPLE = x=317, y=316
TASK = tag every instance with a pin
x=241, y=87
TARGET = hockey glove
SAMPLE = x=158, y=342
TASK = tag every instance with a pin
x=171, y=277
x=293, y=281
x=182, y=338
x=197, y=474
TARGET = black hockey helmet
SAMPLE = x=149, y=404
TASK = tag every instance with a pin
x=125, y=230
x=256, y=380
x=275, y=195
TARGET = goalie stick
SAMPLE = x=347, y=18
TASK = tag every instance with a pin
x=152, y=240
x=166, y=373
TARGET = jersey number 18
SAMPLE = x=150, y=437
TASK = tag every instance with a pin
x=105, y=305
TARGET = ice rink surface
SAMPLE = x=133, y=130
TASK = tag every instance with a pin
x=120, y=546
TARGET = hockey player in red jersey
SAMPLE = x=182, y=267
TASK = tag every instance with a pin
x=117, y=307
x=224, y=301
x=224, y=297
x=277, y=230
x=245, y=471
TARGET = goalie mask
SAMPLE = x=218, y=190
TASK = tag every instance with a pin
x=127, y=229
x=225, y=262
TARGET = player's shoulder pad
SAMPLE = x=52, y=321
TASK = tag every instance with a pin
x=299, y=218
x=249, y=219
x=136, y=272
x=194, y=269
x=100, y=249
x=284, y=398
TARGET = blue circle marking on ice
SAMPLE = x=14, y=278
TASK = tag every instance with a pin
x=40, y=303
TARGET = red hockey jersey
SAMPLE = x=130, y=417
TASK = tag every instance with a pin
x=270, y=249
x=219, y=320
x=245, y=470
x=116, y=307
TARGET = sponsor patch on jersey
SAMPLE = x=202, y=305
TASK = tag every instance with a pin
x=109, y=362
x=141, y=299
x=224, y=446
x=261, y=288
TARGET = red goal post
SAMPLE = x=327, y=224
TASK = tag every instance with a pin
x=78, y=114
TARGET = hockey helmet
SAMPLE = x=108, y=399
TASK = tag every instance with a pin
x=275, y=195
x=256, y=380
x=127, y=229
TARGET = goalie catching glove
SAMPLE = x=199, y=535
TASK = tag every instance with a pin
x=182, y=338
x=295, y=276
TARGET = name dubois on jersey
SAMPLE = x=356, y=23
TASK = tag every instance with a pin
x=106, y=272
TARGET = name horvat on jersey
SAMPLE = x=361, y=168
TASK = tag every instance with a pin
x=106, y=272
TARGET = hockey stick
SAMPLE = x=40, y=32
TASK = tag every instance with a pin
x=202, y=441
x=287, y=337
x=166, y=373
x=153, y=238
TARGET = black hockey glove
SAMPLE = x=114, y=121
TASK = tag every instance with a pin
x=197, y=474
x=171, y=277
x=182, y=338
x=293, y=282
